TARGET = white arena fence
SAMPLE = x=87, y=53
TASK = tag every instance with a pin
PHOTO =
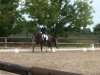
x=15, y=44
x=17, y=49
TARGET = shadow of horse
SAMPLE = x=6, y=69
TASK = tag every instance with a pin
x=39, y=40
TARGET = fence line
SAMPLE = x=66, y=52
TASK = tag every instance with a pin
x=61, y=41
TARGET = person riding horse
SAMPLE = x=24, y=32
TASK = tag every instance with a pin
x=41, y=37
x=44, y=33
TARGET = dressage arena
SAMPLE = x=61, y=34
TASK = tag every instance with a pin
x=85, y=61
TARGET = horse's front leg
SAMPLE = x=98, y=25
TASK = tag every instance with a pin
x=51, y=47
x=33, y=46
x=47, y=46
x=41, y=46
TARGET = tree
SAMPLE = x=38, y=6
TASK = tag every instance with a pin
x=86, y=31
x=56, y=14
x=7, y=16
x=47, y=12
x=83, y=13
x=97, y=29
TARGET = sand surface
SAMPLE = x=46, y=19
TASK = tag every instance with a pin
x=83, y=62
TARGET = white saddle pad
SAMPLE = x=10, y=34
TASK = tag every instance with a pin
x=45, y=36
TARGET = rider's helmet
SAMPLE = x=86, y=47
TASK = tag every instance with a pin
x=43, y=29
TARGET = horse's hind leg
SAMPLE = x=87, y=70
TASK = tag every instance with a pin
x=49, y=45
x=55, y=43
x=33, y=47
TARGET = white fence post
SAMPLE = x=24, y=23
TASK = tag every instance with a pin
x=5, y=41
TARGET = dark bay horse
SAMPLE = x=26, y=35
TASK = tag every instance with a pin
x=39, y=40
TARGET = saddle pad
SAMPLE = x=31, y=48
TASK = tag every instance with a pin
x=45, y=36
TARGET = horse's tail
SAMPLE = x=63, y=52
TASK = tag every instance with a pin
x=55, y=42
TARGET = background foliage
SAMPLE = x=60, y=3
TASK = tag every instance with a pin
x=60, y=16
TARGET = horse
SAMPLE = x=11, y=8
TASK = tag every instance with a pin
x=38, y=39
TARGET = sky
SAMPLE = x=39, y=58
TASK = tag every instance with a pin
x=96, y=14
x=96, y=7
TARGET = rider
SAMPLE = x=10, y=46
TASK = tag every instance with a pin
x=44, y=32
x=43, y=29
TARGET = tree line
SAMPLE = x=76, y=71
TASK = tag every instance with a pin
x=62, y=17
